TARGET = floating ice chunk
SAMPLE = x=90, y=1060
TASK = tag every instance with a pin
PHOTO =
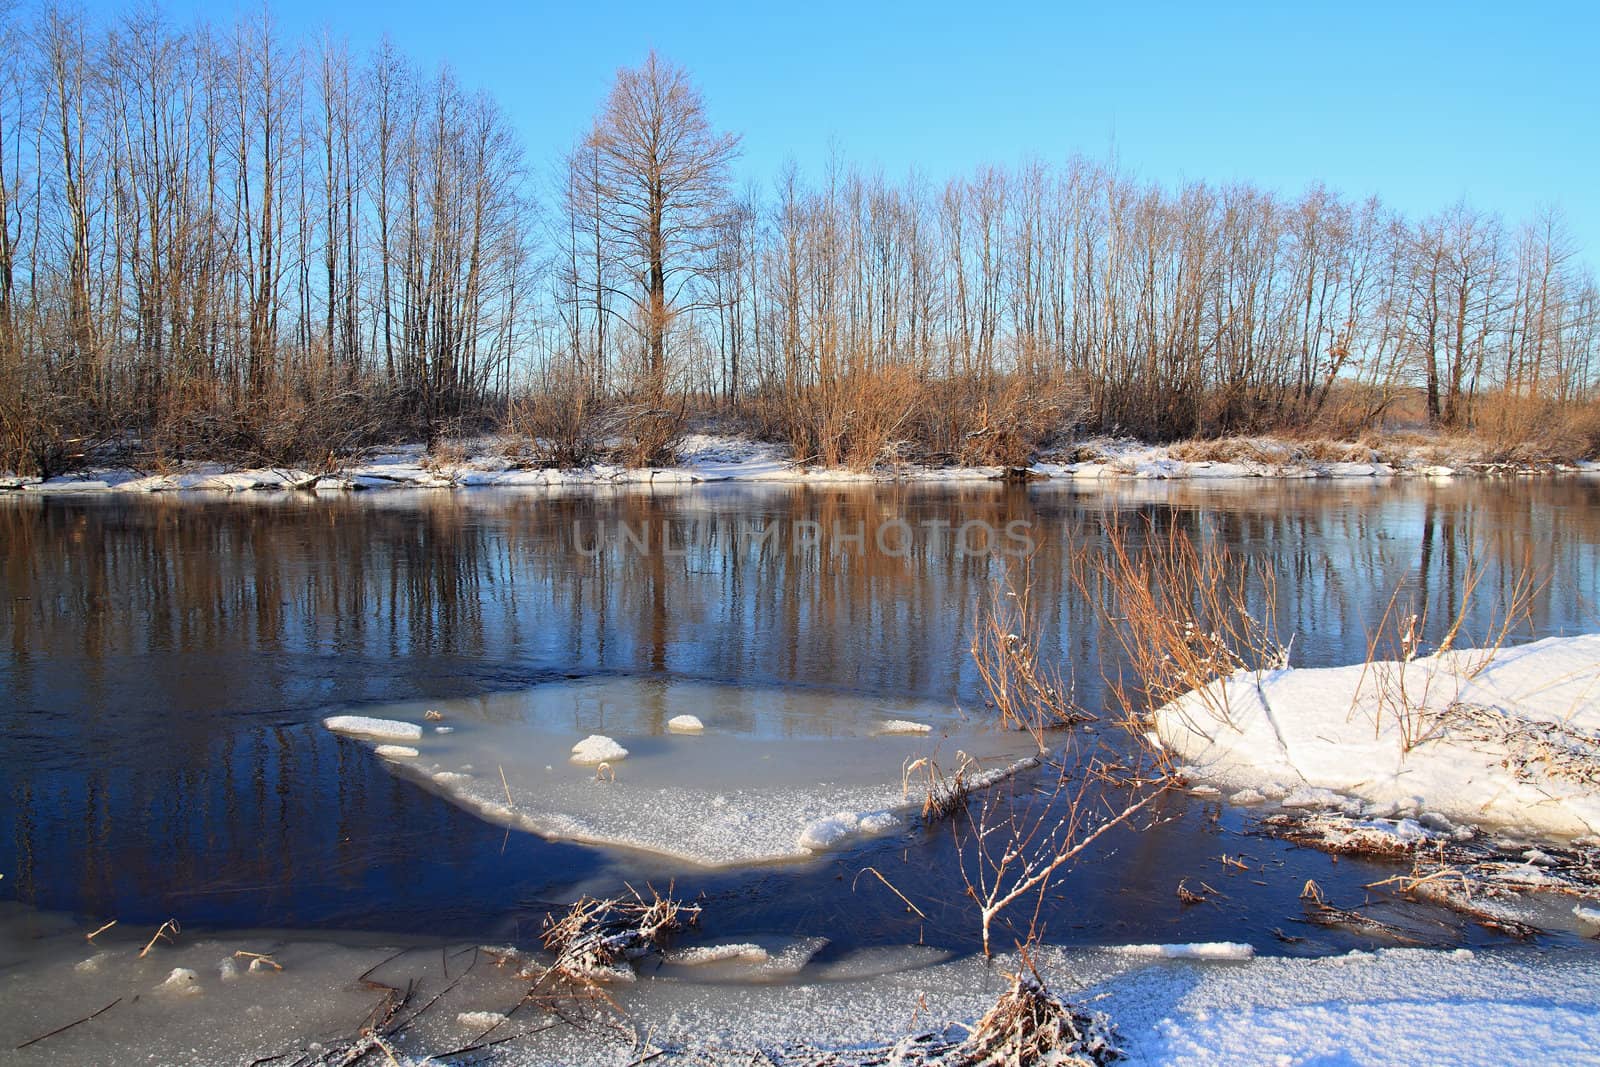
x=181, y=980
x=827, y=832
x=1248, y=796
x=1198, y=950
x=1588, y=915
x=228, y=969
x=480, y=1020
x=444, y=729
x=903, y=726
x=365, y=726
x=598, y=748
x=396, y=751
x=685, y=724
x=701, y=954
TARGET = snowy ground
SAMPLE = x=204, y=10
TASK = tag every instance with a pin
x=1501, y=739
x=490, y=461
x=1394, y=1006
x=773, y=773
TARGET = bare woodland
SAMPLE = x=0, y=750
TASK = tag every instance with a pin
x=218, y=243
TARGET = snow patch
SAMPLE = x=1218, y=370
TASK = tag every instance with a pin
x=598, y=748
x=181, y=980
x=1505, y=738
x=827, y=832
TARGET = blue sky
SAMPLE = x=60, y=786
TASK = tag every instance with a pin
x=1422, y=103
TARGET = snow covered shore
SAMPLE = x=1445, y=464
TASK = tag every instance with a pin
x=491, y=462
x=1504, y=739
x=1392, y=1006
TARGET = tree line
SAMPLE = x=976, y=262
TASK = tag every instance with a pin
x=225, y=242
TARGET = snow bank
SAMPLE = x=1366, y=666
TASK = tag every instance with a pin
x=1509, y=740
x=598, y=748
x=492, y=462
x=363, y=726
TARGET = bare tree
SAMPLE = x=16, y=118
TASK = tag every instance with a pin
x=663, y=174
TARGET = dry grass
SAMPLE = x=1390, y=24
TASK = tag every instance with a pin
x=1405, y=692
x=870, y=418
x=1025, y=691
x=1185, y=613
x=1030, y=1025
x=1264, y=453
x=598, y=936
x=1027, y=1026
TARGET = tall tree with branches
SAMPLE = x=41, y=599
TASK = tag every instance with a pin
x=663, y=178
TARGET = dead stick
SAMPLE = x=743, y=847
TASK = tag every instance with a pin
x=97, y=933
x=69, y=1026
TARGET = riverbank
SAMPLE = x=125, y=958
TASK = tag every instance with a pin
x=207, y=999
x=502, y=462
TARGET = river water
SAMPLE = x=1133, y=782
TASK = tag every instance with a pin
x=166, y=661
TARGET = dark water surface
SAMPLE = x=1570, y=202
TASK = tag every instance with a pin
x=165, y=662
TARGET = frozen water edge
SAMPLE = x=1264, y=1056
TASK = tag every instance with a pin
x=774, y=773
x=1508, y=739
x=721, y=458
x=1393, y=1006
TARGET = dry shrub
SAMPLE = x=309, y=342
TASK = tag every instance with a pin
x=1528, y=431
x=35, y=439
x=1181, y=612
x=1231, y=450
x=858, y=419
x=1005, y=421
x=1027, y=693
x=649, y=433
x=870, y=417
x=597, y=937
x=559, y=424
x=1031, y=1025
x=1580, y=428
x=445, y=453
x=1324, y=450
x=289, y=424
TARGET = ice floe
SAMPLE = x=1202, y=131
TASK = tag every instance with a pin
x=366, y=726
